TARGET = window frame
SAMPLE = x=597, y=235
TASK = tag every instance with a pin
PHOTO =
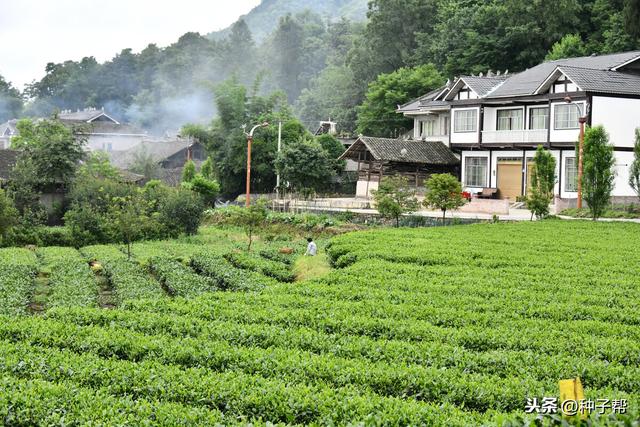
x=571, y=185
x=546, y=116
x=571, y=108
x=484, y=167
x=511, y=119
x=474, y=121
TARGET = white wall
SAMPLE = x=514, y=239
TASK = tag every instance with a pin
x=465, y=137
x=619, y=116
x=623, y=162
x=621, y=188
x=118, y=142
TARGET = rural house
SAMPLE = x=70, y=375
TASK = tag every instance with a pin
x=413, y=159
x=103, y=132
x=170, y=156
x=496, y=121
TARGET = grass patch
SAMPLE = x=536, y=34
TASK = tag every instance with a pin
x=311, y=267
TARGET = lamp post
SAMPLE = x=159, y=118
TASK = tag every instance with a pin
x=249, y=142
x=582, y=119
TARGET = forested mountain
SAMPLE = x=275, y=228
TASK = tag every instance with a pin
x=263, y=19
x=354, y=73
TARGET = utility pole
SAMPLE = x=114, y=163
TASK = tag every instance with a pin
x=278, y=173
x=582, y=119
x=249, y=143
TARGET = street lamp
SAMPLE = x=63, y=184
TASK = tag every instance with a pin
x=249, y=142
x=582, y=119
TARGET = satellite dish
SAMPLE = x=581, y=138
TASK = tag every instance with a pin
x=403, y=152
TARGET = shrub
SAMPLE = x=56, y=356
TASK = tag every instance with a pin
x=181, y=212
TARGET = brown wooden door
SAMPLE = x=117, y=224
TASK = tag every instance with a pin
x=530, y=166
x=509, y=179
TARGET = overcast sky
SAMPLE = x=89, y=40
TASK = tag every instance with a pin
x=34, y=32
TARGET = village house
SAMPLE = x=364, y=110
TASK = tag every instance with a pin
x=103, y=132
x=494, y=122
x=170, y=156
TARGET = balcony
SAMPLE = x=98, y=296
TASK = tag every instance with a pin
x=514, y=136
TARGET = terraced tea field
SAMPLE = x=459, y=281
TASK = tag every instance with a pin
x=439, y=326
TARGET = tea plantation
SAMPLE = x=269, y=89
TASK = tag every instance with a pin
x=438, y=327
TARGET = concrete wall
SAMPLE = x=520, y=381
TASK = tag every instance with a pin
x=364, y=188
x=118, y=142
x=488, y=206
x=619, y=116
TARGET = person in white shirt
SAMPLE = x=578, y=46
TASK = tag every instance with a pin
x=312, y=249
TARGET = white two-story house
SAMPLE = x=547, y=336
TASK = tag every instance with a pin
x=496, y=122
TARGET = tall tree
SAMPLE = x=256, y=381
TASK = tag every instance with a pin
x=377, y=116
x=634, y=170
x=444, y=192
x=54, y=149
x=11, y=102
x=394, y=197
x=543, y=180
x=598, y=174
x=306, y=166
x=570, y=46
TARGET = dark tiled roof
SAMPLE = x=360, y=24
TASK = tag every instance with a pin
x=526, y=82
x=483, y=85
x=602, y=81
x=158, y=150
x=8, y=159
x=87, y=115
x=406, y=151
x=415, y=104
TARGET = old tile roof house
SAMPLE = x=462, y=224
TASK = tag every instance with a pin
x=495, y=122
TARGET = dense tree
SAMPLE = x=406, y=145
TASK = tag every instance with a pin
x=333, y=95
x=334, y=149
x=598, y=174
x=377, y=116
x=389, y=40
x=632, y=17
x=306, y=166
x=53, y=149
x=570, y=46
x=8, y=215
x=228, y=144
x=11, y=102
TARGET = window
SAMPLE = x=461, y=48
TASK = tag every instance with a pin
x=475, y=171
x=445, y=125
x=566, y=116
x=571, y=175
x=510, y=119
x=465, y=120
x=539, y=118
x=429, y=128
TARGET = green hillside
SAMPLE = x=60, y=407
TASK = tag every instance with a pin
x=263, y=19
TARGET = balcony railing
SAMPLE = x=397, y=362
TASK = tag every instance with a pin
x=514, y=136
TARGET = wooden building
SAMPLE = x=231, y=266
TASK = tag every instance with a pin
x=415, y=160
